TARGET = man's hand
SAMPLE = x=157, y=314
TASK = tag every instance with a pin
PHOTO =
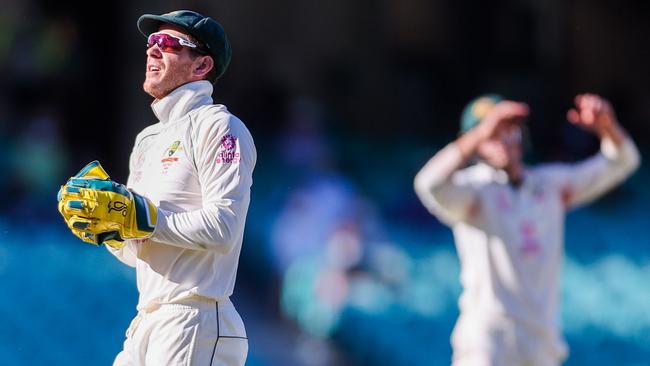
x=594, y=113
x=502, y=113
x=98, y=210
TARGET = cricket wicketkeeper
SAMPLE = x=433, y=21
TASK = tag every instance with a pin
x=180, y=218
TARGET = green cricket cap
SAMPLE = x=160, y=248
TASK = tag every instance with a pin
x=477, y=109
x=205, y=29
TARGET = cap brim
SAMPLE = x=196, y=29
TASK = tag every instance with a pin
x=150, y=23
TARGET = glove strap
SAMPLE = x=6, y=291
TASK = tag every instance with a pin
x=146, y=213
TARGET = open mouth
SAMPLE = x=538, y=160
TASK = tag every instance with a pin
x=152, y=68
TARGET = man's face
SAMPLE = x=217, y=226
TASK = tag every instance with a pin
x=169, y=69
x=504, y=148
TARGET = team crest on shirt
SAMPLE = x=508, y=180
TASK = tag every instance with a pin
x=171, y=150
x=228, y=153
x=171, y=155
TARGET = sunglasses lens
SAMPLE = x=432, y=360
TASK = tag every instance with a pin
x=164, y=42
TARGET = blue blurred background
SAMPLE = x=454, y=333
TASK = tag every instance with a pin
x=346, y=100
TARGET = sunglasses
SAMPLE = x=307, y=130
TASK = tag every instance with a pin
x=167, y=42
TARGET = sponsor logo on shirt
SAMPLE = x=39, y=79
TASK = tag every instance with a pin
x=530, y=244
x=228, y=153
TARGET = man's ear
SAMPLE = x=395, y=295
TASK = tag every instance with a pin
x=203, y=65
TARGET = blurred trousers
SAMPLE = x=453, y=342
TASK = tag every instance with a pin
x=500, y=341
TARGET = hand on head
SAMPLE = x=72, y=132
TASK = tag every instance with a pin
x=504, y=112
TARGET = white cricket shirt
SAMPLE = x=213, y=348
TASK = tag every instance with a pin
x=510, y=242
x=196, y=165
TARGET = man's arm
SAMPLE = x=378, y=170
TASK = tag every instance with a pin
x=617, y=159
x=451, y=199
x=225, y=158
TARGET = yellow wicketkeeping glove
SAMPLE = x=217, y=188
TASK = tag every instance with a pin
x=98, y=210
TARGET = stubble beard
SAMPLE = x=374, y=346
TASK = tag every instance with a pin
x=155, y=89
x=161, y=87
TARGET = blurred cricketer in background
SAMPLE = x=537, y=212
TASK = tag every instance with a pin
x=180, y=222
x=508, y=225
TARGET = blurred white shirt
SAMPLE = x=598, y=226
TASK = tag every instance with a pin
x=510, y=242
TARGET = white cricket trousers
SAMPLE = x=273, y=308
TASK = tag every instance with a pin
x=196, y=332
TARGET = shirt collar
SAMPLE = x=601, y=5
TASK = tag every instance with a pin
x=499, y=175
x=182, y=100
